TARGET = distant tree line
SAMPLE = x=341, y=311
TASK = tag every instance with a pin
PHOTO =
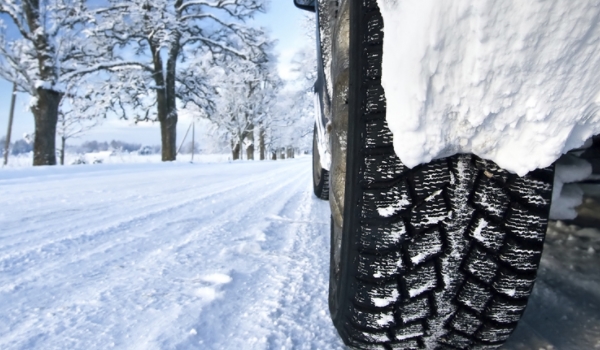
x=18, y=147
x=23, y=146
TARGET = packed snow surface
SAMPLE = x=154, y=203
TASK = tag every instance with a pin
x=516, y=82
x=164, y=256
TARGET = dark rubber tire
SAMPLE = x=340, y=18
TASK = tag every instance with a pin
x=443, y=255
x=320, y=175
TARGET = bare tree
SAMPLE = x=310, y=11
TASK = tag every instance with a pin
x=175, y=42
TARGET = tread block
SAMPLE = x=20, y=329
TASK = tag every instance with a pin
x=377, y=237
x=374, y=33
x=513, y=285
x=466, y=322
x=520, y=258
x=480, y=265
x=355, y=343
x=420, y=280
x=533, y=191
x=425, y=245
x=430, y=212
x=524, y=224
x=487, y=234
x=383, y=203
x=431, y=177
x=494, y=334
x=485, y=347
x=378, y=134
x=374, y=102
x=371, y=5
x=379, y=266
x=505, y=311
x=381, y=168
x=373, y=67
x=491, y=170
x=411, y=331
x=474, y=295
x=381, y=320
x=405, y=345
x=457, y=340
x=491, y=198
x=415, y=309
x=368, y=337
x=373, y=295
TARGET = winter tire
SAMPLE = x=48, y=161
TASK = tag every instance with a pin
x=441, y=256
x=320, y=175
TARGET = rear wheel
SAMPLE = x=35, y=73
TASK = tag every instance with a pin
x=320, y=175
x=443, y=255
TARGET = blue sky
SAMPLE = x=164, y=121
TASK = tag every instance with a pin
x=283, y=21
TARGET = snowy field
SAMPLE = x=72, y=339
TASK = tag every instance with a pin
x=212, y=256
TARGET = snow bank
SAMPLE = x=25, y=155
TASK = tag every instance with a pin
x=511, y=81
x=567, y=193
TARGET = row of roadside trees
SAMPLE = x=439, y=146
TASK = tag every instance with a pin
x=143, y=60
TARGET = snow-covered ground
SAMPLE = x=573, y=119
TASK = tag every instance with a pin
x=116, y=157
x=212, y=256
x=164, y=256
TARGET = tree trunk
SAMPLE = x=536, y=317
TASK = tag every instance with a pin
x=45, y=114
x=168, y=133
x=169, y=152
x=273, y=155
x=282, y=153
x=250, y=152
x=165, y=101
x=235, y=150
x=62, y=150
x=261, y=142
x=250, y=148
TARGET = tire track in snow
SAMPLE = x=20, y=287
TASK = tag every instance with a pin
x=183, y=242
x=285, y=303
x=53, y=215
x=107, y=232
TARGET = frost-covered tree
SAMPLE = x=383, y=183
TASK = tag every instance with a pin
x=43, y=49
x=292, y=117
x=38, y=51
x=245, y=94
x=77, y=114
x=175, y=42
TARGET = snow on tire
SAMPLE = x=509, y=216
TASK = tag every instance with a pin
x=443, y=255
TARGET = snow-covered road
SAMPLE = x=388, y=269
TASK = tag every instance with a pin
x=211, y=256
x=164, y=256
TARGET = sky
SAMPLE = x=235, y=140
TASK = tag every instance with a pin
x=284, y=23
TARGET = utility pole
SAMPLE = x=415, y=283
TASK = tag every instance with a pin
x=10, y=121
x=193, y=139
x=185, y=137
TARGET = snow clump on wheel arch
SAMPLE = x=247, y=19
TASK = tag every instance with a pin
x=510, y=81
